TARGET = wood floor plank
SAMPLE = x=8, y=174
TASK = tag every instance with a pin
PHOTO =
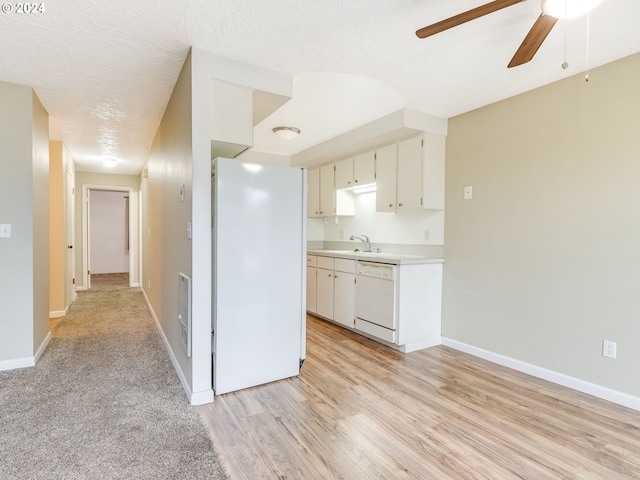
x=360, y=410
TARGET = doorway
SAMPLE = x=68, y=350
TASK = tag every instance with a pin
x=108, y=241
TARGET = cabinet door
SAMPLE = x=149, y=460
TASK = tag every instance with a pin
x=343, y=310
x=344, y=173
x=324, y=298
x=313, y=192
x=364, y=168
x=386, y=166
x=327, y=191
x=409, y=193
x=312, y=285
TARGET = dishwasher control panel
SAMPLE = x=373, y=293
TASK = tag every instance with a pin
x=377, y=270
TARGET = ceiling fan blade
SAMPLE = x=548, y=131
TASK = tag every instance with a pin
x=465, y=17
x=533, y=40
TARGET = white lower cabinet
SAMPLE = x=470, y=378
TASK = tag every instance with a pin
x=324, y=287
x=312, y=304
x=333, y=287
x=343, y=293
x=410, y=320
x=312, y=263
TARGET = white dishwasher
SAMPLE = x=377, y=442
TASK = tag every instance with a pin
x=375, y=300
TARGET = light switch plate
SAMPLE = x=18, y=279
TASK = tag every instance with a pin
x=5, y=230
x=468, y=193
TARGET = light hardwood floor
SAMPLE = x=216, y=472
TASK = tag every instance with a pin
x=360, y=410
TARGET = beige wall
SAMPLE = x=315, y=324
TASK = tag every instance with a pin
x=24, y=204
x=57, y=233
x=542, y=264
x=167, y=251
x=181, y=155
x=40, y=223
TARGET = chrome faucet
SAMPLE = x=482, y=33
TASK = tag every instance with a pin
x=365, y=241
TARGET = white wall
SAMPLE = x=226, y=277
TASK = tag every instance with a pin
x=542, y=264
x=405, y=228
x=109, y=232
x=24, y=204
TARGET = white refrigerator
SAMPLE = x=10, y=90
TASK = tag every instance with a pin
x=259, y=274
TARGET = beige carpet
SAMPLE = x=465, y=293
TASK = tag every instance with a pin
x=104, y=402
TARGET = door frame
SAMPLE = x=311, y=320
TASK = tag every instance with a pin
x=70, y=254
x=86, y=229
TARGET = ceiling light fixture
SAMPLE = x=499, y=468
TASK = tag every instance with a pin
x=286, y=133
x=109, y=162
x=568, y=8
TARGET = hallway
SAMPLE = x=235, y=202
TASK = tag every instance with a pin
x=104, y=401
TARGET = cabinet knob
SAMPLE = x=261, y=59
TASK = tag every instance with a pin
x=399, y=204
x=391, y=204
x=356, y=181
x=349, y=182
x=335, y=276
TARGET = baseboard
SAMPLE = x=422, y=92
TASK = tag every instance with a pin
x=43, y=347
x=195, y=398
x=598, y=391
x=16, y=363
x=58, y=314
x=202, y=398
x=26, y=362
x=415, y=346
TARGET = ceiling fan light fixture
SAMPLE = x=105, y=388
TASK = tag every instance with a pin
x=286, y=133
x=566, y=9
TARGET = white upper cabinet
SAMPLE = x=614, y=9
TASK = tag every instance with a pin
x=313, y=192
x=323, y=199
x=364, y=168
x=386, y=168
x=410, y=174
x=344, y=173
x=327, y=191
x=354, y=171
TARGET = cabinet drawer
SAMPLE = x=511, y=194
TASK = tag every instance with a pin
x=326, y=262
x=345, y=265
x=312, y=261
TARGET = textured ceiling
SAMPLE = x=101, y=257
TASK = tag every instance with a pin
x=105, y=70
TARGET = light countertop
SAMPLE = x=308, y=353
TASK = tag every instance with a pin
x=383, y=257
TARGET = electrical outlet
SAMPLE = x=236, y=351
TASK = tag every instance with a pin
x=609, y=349
x=5, y=230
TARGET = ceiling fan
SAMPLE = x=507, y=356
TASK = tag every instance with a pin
x=552, y=10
